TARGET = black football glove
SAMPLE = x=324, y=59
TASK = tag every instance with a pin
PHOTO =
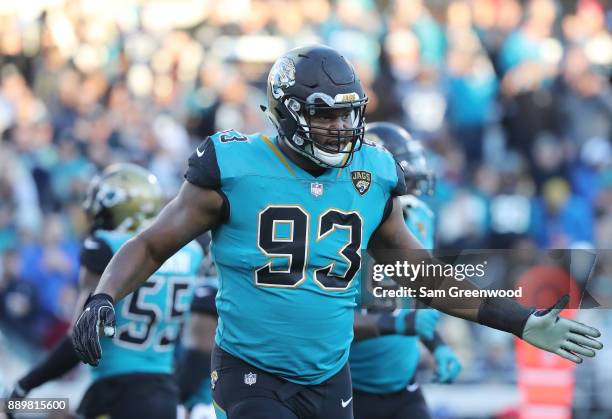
x=98, y=312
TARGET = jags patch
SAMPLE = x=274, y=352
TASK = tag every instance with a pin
x=361, y=180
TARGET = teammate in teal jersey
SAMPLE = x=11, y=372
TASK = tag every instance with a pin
x=134, y=379
x=193, y=365
x=383, y=368
x=290, y=217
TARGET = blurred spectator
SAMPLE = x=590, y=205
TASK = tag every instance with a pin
x=562, y=218
x=52, y=266
x=354, y=30
x=71, y=172
x=415, y=86
x=588, y=174
x=531, y=51
x=512, y=209
x=19, y=205
x=585, y=108
x=472, y=83
x=549, y=159
x=415, y=16
x=204, y=101
x=529, y=61
x=19, y=300
x=494, y=21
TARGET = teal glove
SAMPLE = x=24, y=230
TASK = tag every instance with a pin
x=425, y=322
x=448, y=366
x=546, y=330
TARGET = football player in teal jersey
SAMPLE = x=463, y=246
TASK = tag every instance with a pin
x=290, y=217
x=383, y=367
x=193, y=365
x=134, y=379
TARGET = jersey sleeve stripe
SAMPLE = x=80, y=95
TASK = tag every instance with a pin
x=278, y=154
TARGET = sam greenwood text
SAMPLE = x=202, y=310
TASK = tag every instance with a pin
x=405, y=292
x=413, y=271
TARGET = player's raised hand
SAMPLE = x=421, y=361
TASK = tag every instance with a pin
x=547, y=330
x=448, y=365
x=98, y=311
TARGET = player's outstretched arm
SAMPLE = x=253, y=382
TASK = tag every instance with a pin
x=192, y=212
x=420, y=323
x=545, y=329
x=393, y=242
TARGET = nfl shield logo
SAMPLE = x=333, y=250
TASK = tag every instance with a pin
x=316, y=189
x=250, y=379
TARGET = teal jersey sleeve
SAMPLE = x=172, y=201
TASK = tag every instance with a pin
x=289, y=254
x=148, y=321
x=420, y=220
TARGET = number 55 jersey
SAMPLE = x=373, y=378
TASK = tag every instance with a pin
x=288, y=253
x=149, y=320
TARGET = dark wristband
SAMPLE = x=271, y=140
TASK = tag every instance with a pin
x=434, y=343
x=401, y=323
x=504, y=314
x=59, y=361
x=99, y=296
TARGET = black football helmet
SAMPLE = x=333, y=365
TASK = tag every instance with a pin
x=309, y=81
x=408, y=152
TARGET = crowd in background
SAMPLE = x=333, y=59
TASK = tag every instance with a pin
x=511, y=98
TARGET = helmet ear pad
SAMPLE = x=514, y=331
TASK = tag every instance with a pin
x=287, y=125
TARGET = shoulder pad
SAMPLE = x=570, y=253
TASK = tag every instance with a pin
x=237, y=154
x=95, y=253
x=387, y=170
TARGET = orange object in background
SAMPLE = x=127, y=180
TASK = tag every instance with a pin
x=545, y=381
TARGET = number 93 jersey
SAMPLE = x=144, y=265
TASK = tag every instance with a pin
x=149, y=320
x=289, y=250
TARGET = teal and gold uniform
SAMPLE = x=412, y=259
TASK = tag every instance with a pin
x=383, y=368
x=203, y=303
x=288, y=254
x=400, y=353
x=148, y=320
